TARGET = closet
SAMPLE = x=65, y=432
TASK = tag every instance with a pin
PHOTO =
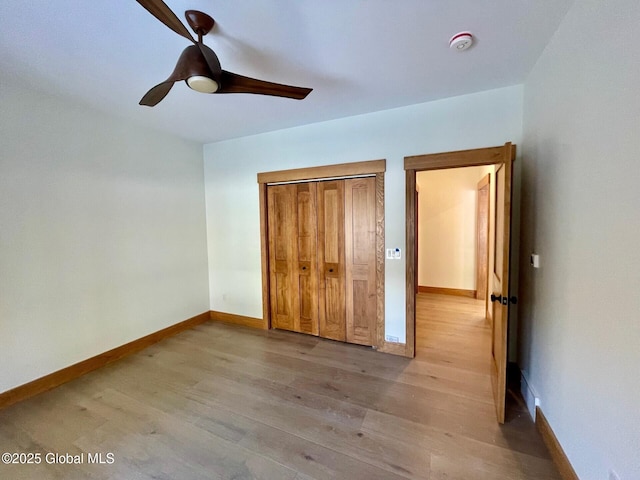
x=322, y=258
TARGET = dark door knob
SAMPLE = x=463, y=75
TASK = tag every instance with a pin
x=331, y=270
x=304, y=268
x=496, y=299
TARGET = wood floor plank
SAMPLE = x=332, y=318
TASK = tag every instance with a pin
x=296, y=412
x=163, y=445
x=223, y=401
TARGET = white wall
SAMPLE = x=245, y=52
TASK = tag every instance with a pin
x=471, y=121
x=580, y=312
x=102, y=233
x=447, y=237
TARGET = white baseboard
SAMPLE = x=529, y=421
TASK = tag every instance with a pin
x=530, y=397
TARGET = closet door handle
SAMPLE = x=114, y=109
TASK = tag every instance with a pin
x=331, y=270
x=304, y=268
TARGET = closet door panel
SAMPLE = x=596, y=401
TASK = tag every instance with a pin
x=307, y=268
x=282, y=255
x=331, y=291
x=360, y=258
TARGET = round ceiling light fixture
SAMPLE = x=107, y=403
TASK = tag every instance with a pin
x=202, y=84
x=461, y=41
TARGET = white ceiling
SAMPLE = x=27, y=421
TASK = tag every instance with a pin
x=359, y=56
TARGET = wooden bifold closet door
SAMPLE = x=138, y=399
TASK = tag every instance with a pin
x=292, y=257
x=360, y=259
x=331, y=260
x=322, y=258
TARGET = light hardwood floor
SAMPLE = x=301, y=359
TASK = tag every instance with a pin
x=230, y=402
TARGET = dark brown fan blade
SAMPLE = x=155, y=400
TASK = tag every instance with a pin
x=159, y=9
x=234, y=83
x=157, y=93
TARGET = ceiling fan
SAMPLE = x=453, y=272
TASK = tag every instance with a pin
x=199, y=66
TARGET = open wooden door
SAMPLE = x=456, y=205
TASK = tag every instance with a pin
x=500, y=281
x=502, y=157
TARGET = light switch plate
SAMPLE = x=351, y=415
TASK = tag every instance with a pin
x=394, y=254
x=535, y=260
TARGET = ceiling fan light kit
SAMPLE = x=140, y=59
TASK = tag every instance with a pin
x=461, y=41
x=199, y=66
x=202, y=84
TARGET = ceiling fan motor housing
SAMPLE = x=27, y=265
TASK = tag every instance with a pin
x=193, y=67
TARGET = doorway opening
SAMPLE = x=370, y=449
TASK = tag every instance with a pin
x=499, y=161
x=453, y=335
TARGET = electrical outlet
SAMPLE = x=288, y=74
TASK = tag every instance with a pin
x=392, y=339
x=613, y=475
